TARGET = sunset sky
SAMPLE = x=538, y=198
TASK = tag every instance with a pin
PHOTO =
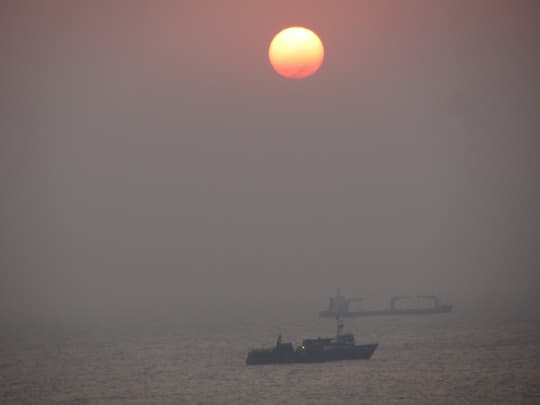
x=153, y=163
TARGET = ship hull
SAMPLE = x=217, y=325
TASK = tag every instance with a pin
x=441, y=309
x=333, y=353
x=270, y=357
x=337, y=353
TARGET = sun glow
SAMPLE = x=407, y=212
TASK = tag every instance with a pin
x=296, y=52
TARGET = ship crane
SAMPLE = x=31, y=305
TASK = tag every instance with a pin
x=396, y=299
x=433, y=298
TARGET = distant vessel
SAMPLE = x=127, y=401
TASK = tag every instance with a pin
x=340, y=306
x=342, y=347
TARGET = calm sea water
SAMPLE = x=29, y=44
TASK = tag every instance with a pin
x=439, y=359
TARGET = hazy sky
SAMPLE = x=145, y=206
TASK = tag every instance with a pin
x=153, y=163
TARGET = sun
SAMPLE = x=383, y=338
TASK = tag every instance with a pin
x=296, y=52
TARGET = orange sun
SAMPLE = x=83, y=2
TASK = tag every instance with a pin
x=296, y=52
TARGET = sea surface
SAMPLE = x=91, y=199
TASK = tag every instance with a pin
x=436, y=359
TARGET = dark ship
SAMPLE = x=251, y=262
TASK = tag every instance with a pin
x=342, y=347
x=340, y=306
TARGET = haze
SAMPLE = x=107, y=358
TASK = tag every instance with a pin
x=154, y=166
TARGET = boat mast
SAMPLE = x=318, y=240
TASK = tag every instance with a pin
x=339, y=323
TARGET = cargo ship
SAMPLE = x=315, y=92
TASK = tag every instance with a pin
x=339, y=305
x=342, y=347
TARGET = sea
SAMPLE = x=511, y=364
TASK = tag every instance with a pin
x=455, y=358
